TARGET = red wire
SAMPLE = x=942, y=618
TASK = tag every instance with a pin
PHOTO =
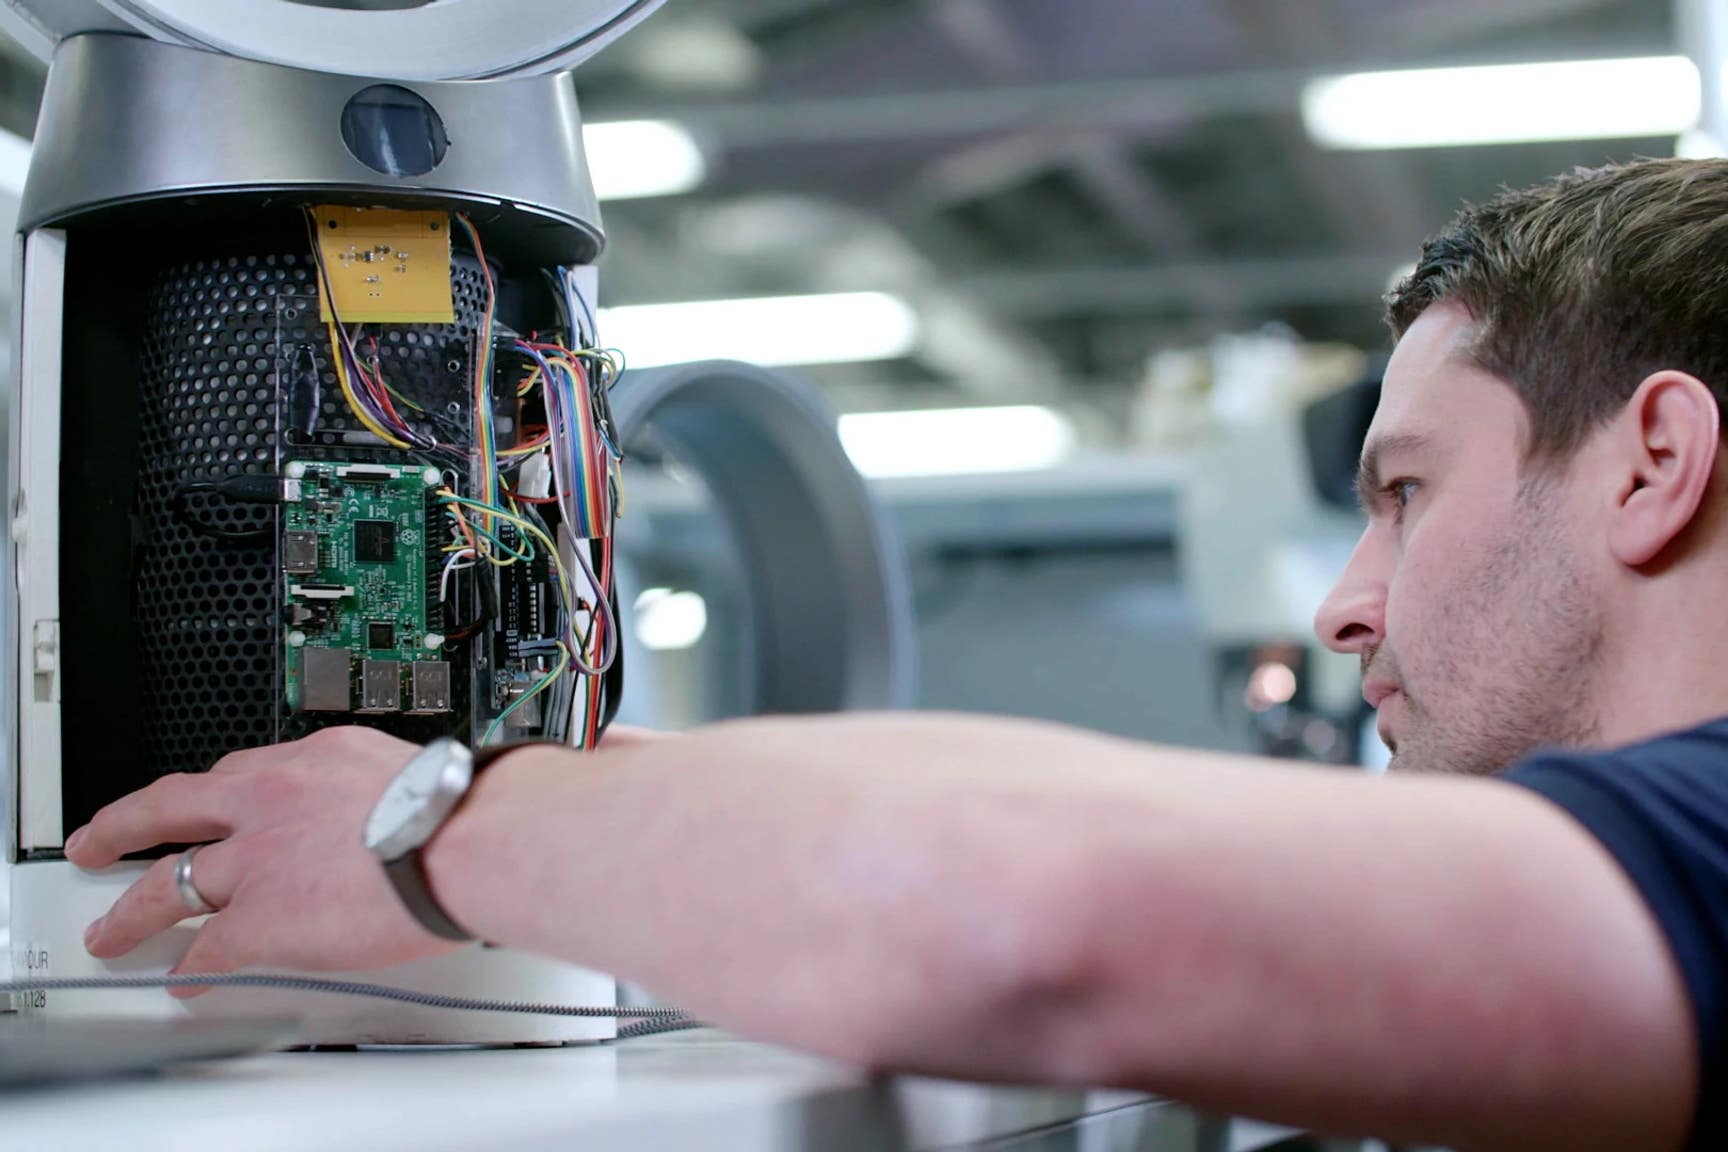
x=382, y=396
x=374, y=385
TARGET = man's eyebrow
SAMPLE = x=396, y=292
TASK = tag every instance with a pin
x=1368, y=471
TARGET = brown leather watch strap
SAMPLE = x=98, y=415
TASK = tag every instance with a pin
x=408, y=872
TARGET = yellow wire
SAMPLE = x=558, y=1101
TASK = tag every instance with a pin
x=481, y=543
x=564, y=585
x=546, y=682
x=524, y=525
x=353, y=400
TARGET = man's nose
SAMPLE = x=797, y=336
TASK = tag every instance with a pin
x=1353, y=618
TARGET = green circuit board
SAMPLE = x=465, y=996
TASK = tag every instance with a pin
x=354, y=562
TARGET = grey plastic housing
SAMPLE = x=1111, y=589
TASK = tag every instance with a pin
x=127, y=120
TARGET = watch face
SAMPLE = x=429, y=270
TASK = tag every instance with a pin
x=419, y=799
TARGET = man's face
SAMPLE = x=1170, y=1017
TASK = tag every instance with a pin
x=1468, y=598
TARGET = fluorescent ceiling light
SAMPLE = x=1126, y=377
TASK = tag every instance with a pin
x=956, y=441
x=772, y=330
x=668, y=621
x=630, y=159
x=1504, y=104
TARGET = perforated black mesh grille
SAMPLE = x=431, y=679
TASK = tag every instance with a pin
x=236, y=378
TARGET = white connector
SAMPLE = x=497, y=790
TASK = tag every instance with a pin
x=535, y=479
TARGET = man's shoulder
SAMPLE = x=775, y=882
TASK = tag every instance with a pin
x=1700, y=751
x=1711, y=736
x=1660, y=807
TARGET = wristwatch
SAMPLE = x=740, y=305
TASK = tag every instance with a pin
x=419, y=802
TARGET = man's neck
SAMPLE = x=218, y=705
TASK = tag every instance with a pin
x=1664, y=670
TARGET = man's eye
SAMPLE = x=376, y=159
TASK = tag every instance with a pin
x=1402, y=492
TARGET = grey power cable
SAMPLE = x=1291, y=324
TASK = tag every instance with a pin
x=643, y=1028
x=649, y=1021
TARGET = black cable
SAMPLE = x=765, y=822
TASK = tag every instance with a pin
x=485, y=579
x=308, y=380
x=612, y=684
x=250, y=488
x=241, y=488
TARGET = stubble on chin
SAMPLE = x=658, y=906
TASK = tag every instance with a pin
x=1519, y=673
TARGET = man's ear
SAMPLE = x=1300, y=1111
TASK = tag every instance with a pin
x=1666, y=441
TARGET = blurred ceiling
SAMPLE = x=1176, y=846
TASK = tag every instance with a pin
x=1061, y=186
x=1069, y=184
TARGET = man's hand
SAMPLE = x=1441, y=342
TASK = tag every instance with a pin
x=286, y=865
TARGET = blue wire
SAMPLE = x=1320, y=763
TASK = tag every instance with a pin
x=571, y=296
x=565, y=382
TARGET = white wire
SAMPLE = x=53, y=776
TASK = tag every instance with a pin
x=562, y=431
x=451, y=565
x=604, y=607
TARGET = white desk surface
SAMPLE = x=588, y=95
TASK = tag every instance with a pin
x=691, y=1091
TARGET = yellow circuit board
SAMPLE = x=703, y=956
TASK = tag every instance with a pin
x=385, y=266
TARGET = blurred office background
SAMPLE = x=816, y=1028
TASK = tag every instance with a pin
x=1139, y=245
x=1135, y=242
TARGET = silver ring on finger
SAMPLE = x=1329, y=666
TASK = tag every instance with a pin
x=189, y=894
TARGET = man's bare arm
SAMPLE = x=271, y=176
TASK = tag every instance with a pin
x=1451, y=961
x=1444, y=960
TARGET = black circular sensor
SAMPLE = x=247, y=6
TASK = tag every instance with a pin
x=394, y=131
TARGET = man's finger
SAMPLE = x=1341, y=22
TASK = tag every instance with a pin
x=214, y=952
x=153, y=904
x=179, y=809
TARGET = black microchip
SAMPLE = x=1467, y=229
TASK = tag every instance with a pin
x=374, y=541
x=380, y=635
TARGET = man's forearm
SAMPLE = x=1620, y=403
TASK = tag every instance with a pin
x=846, y=907
x=1441, y=959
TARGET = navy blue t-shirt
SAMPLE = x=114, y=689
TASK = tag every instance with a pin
x=1661, y=808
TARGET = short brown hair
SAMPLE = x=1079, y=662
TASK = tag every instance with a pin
x=1583, y=286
